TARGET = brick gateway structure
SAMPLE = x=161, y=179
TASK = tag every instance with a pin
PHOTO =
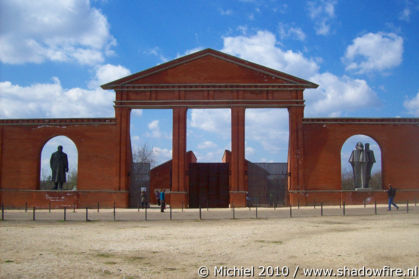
x=205, y=79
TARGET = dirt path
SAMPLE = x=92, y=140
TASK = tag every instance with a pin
x=164, y=249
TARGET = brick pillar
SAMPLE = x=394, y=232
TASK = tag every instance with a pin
x=295, y=152
x=179, y=191
x=125, y=156
x=238, y=187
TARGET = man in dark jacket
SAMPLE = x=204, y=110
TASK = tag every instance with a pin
x=59, y=167
x=391, y=192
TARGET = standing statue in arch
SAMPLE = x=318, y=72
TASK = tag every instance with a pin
x=59, y=167
x=370, y=158
x=361, y=161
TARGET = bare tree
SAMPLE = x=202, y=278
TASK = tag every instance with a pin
x=144, y=154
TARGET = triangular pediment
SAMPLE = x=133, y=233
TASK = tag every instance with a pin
x=209, y=67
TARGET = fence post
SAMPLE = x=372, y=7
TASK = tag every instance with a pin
x=26, y=206
x=2, y=211
x=65, y=214
x=98, y=206
x=321, y=209
x=74, y=208
x=49, y=207
x=298, y=203
x=145, y=214
x=114, y=211
x=170, y=212
x=256, y=211
x=139, y=205
x=314, y=203
x=200, y=212
x=182, y=206
x=344, y=211
x=365, y=204
x=290, y=211
x=33, y=214
x=407, y=206
x=234, y=213
x=87, y=214
x=375, y=207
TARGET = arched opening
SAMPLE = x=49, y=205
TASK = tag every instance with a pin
x=361, y=163
x=49, y=148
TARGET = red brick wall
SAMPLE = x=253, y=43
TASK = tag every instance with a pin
x=323, y=141
x=97, y=142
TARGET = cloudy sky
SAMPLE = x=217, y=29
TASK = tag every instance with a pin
x=363, y=54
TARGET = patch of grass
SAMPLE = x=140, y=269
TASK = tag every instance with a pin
x=111, y=262
x=107, y=272
x=9, y=261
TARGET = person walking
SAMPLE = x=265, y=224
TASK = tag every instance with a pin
x=391, y=192
x=157, y=193
x=143, y=199
x=162, y=201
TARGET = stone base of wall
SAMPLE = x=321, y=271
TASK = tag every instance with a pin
x=19, y=198
x=350, y=197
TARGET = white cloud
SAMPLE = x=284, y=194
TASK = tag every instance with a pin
x=50, y=100
x=249, y=151
x=42, y=30
x=225, y=12
x=137, y=112
x=155, y=132
x=405, y=14
x=212, y=120
x=412, y=105
x=154, y=128
x=207, y=145
x=336, y=95
x=156, y=52
x=209, y=156
x=107, y=73
x=322, y=12
x=262, y=48
x=287, y=31
x=267, y=127
x=374, y=51
x=162, y=154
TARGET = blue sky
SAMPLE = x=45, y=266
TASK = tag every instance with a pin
x=363, y=54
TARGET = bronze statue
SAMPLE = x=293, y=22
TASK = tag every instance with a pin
x=370, y=158
x=362, y=161
x=59, y=167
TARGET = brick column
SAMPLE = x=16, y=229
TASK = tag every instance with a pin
x=238, y=186
x=123, y=120
x=179, y=191
x=295, y=151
